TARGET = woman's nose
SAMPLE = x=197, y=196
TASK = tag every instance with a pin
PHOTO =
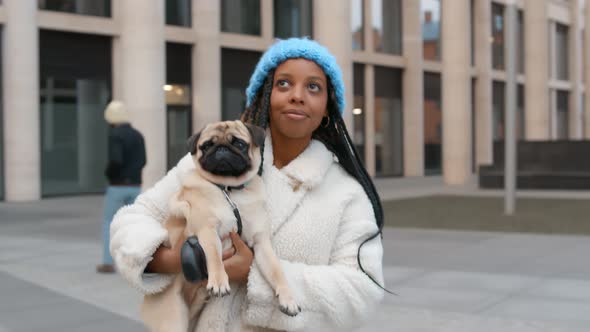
x=296, y=95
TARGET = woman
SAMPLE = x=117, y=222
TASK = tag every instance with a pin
x=323, y=206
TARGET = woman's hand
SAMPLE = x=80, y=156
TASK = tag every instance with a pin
x=166, y=260
x=237, y=260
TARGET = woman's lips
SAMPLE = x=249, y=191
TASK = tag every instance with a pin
x=295, y=115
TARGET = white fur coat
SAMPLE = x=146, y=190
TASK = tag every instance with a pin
x=320, y=215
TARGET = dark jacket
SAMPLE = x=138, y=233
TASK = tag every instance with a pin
x=126, y=156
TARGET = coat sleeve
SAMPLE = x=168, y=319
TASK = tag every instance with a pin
x=137, y=231
x=337, y=295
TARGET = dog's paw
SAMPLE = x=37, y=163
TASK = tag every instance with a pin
x=287, y=304
x=218, y=287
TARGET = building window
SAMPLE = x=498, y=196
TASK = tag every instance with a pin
x=497, y=36
x=432, y=124
x=73, y=96
x=83, y=7
x=358, y=111
x=178, y=12
x=388, y=122
x=387, y=26
x=520, y=43
x=236, y=69
x=178, y=101
x=431, y=29
x=498, y=108
x=520, y=113
x=561, y=52
x=1, y=126
x=562, y=115
x=240, y=16
x=293, y=18
x=357, y=23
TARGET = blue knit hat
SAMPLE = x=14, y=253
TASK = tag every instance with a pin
x=297, y=48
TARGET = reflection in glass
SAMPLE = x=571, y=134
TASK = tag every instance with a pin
x=357, y=23
x=358, y=111
x=236, y=68
x=562, y=115
x=73, y=135
x=431, y=29
x=178, y=12
x=240, y=16
x=293, y=18
x=498, y=110
x=561, y=51
x=388, y=122
x=83, y=7
x=497, y=36
x=432, y=124
x=387, y=26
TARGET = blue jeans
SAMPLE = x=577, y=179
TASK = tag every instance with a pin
x=115, y=198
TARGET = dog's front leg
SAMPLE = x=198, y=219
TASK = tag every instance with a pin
x=270, y=267
x=218, y=283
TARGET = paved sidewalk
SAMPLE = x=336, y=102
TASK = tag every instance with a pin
x=445, y=280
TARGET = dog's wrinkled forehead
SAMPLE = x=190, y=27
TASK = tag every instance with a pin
x=224, y=132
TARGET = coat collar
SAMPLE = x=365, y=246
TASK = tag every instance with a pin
x=308, y=169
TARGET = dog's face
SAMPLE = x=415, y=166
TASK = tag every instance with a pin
x=228, y=152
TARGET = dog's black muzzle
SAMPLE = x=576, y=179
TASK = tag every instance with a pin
x=225, y=162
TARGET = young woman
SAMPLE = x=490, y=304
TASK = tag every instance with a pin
x=326, y=214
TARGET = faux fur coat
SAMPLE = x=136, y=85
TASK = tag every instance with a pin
x=320, y=215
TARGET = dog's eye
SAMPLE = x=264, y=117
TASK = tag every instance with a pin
x=205, y=146
x=240, y=144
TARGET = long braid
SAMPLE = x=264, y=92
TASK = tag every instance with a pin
x=336, y=138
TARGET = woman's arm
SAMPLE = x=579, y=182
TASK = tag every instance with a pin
x=137, y=235
x=335, y=295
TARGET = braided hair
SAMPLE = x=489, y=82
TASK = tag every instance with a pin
x=335, y=137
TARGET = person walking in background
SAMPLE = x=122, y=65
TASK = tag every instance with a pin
x=126, y=159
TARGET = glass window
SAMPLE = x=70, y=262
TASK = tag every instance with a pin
x=520, y=43
x=472, y=31
x=388, y=122
x=432, y=124
x=387, y=26
x=240, y=16
x=83, y=7
x=562, y=116
x=520, y=113
x=178, y=12
x=293, y=18
x=1, y=126
x=236, y=69
x=498, y=106
x=357, y=23
x=497, y=36
x=73, y=130
x=561, y=52
x=73, y=96
x=358, y=111
x=178, y=100
x=431, y=29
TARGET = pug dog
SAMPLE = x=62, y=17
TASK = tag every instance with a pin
x=226, y=154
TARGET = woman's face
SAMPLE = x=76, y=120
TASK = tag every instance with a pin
x=299, y=98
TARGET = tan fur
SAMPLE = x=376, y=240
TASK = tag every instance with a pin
x=209, y=217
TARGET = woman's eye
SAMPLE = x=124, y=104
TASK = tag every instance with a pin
x=282, y=83
x=313, y=87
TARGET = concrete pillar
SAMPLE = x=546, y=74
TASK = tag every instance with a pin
x=575, y=72
x=536, y=70
x=587, y=70
x=456, y=92
x=20, y=84
x=142, y=55
x=483, y=85
x=413, y=90
x=206, y=59
x=324, y=31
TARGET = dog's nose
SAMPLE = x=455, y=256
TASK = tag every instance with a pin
x=222, y=151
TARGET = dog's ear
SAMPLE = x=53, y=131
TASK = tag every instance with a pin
x=257, y=134
x=191, y=143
